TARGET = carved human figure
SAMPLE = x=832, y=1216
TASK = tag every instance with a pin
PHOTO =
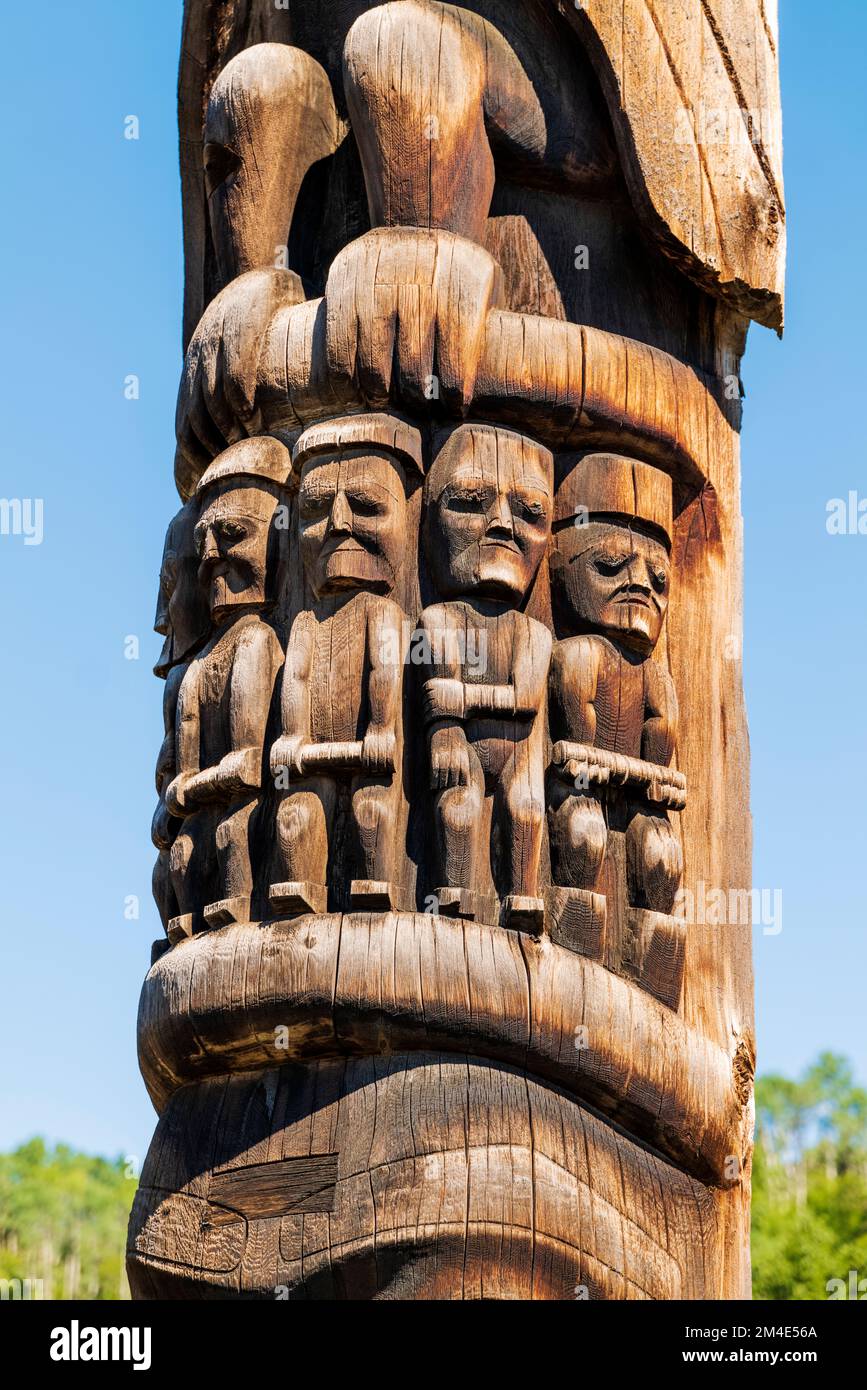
x=226, y=692
x=610, y=584
x=342, y=688
x=182, y=619
x=488, y=509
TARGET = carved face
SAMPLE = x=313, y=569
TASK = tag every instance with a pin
x=232, y=544
x=352, y=518
x=182, y=614
x=489, y=513
x=613, y=579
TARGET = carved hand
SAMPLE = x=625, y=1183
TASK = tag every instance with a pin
x=378, y=750
x=586, y=774
x=175, y=795
x=407, y=309
x=239, y=771
x=286, y=754
x=443, y=699
x=449, y=758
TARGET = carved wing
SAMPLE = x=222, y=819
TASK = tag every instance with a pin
x=693, y=91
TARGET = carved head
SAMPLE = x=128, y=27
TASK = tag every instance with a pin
x=352, y=509
x=612, y=564
x=489, y=499
x=182, y=614
x=238, y=497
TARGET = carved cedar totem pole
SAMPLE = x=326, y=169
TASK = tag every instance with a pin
x=452, y=613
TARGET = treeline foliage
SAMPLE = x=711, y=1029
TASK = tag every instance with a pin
x=63, y=1220
x=810, y=1184
x=63, y=1214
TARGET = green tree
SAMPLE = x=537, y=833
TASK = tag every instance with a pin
x=63, y=1220
x=809, y=1182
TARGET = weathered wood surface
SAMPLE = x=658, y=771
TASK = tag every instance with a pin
x=691, y=89
x=330, y=984
x=454, y=726
x=457, y=1180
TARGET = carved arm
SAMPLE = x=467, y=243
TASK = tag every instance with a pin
x=662, y=785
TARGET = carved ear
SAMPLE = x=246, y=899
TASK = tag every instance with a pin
x=270, y=117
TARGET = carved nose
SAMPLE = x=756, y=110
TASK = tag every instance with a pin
x=341, y=514
x=639, y=577
x=210, y=550
x=500, y=519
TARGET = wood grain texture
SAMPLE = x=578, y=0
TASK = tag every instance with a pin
x=457, y=1179
x=453, y=722
x=324, y=985
x=691, y=89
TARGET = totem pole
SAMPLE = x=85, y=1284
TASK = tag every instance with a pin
x=454, y=718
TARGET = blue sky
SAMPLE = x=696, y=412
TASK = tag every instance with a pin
x=91, y=248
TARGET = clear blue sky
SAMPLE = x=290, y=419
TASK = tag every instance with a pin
x=91, y=257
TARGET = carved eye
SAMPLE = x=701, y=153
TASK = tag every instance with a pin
x=314, y=505
x=231, y=530
x=469, y=500
x=365, y=506
x=611, y=564
x=529, y=509
x=660, y=579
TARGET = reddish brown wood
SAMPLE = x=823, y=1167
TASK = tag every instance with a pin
x=454, y=726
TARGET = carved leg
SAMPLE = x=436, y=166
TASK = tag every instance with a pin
x=376, y=820
x=236, y=876
x=192, y=861
x=304, y=820
x=519, y=803
x=270, y=117
x=579, y=837
x=654, y=862
x=655, y=948
x=457, y=812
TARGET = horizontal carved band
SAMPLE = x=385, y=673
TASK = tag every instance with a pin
x=571, y=386
x=251, y=997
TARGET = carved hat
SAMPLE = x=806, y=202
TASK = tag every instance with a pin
x=611, y=485
x=260, y=459
x=357, y=432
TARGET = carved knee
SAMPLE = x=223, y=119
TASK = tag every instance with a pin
x=654, y=863
x=180, y=855
x=270, y=116
x=230, y=830
x=458, y=809
x=296, y=816
x=525, y=808
x=580, y=834
x=373, y=809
